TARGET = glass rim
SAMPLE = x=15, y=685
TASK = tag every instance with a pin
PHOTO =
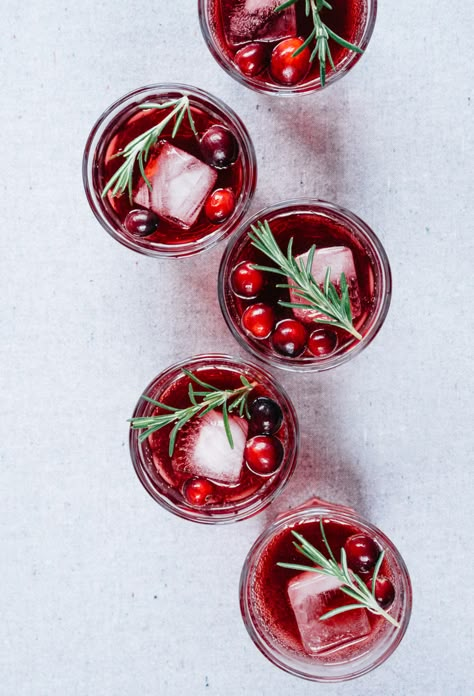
x=246, y=511
x=384, y=295
x=283, y=90
x=249, y=165
x=339, y=513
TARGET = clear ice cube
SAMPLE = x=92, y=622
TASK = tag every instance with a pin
x=180, y=185
x=340, y=260
x=311, y=595
x=256, y=20
x=202, y=448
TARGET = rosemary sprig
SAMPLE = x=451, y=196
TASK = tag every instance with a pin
x=352, y=585
x=138, y=149
x=325, y=300
x=321, y=34
x=201, y=402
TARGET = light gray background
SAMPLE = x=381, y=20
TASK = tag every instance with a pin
x=102, y=593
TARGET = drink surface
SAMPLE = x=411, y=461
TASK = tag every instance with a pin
x=287, y=604
x=236, y=25
x=176, y=169
x=202, y=471
x=337, y=248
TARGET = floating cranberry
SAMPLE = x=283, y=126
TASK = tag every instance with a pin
x=142, y=223
x=247, y=281
x=290, y=338
x=322, y=342
x=287, y=68
x=219, y=147
x=220, y=205
x=265, y=416
x=197, y=491
x=362, y=553
x=258, y=320
x=252, y=59
x=263, y=454
x=384, y=591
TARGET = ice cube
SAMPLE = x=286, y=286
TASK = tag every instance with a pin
x=340, y=260
x=202, y=448
x=180, y=185
x=256, y=20
x=311, y=595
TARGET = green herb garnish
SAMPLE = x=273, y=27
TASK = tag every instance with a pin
x=325, y=300
x=209, y=398
x=321, y=34
x=138, y=149
x=352, y=585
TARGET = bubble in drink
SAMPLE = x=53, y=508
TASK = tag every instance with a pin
x=180, y=185
x=339, y=260
x=311, y=595
x=256, y=20
x=203, y=448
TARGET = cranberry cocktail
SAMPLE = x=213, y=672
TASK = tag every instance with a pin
x=214, y=439
x=287, y=47
x=324, y=594
x=169, y=170
x=304, y=285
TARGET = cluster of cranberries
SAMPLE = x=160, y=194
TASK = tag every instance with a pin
x=282, y=64
x=362, y=554
x=288, y=337
x=219, y=149
x=263, y=453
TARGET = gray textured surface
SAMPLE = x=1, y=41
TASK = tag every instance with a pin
x=103, y=593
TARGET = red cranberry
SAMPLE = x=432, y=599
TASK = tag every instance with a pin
x=220, y=205
x=287, y=68
x=290, y=337
x=142, y=223
x=265, y=416
x=263, y=454
x=197, y=491
x=247, y=281
x=219, y=147
x=258, y=320
x=322, y=342
x=362, y=553
x=384, y=591
x=252, y=59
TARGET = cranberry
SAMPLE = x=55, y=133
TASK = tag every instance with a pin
x=362, y=553
x=247, y=281
x=287, y=68
x=322, y=342
x=263, y=454
x=142, y=223
x=219, y=147
x=384, y=591
x=290, y=338
x=252, y=59
x=197, y=491
x=220, y=205
x=258, y=320
x=265, y=416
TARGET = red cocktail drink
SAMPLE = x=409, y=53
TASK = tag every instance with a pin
x=169, y=170
x=324, y=594
x=304, y=285
x=287, y=48
x=214, y=439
